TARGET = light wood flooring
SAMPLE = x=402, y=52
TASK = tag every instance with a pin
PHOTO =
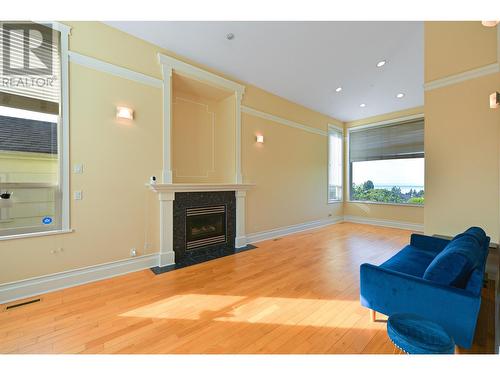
x=296, y=294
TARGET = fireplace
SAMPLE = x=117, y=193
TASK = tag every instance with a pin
x=205, y=226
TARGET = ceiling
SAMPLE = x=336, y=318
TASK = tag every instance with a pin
x=306, y=61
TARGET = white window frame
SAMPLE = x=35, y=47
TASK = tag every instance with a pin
x=341, y=130
x=417, y=116
x=63, y=195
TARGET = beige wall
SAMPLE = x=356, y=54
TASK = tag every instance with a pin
x=461, y=131
x=455, y=47
x=203, y=136
x=391, y=212
x=117, y=211
x=290, y=173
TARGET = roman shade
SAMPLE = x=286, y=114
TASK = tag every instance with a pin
x=395, y=141
x=30, y=67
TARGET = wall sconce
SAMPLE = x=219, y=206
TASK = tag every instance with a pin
x=260, y=139
x=490, y=23
x=125, y=112
x=495, y=100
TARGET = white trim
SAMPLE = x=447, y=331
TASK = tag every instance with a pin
x=35, y=234
x=461, y=77
x=283, y=121
x=238, y=177
x=384, y=223
x=200, y=74
x=64, y=128
x=387, y=203
x=38, y=285
x=291, y=229
x=328, y=200
x=167, y=188
x=167, y=176
x=416, y=116
x=113, y=69
x=61, y=27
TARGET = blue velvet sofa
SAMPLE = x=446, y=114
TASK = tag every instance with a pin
x=438, y=279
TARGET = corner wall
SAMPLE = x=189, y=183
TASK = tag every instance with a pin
x=461, y=131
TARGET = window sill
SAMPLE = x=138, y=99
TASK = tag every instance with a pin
x=35, y=234
x=333, y=202
x=388, y=204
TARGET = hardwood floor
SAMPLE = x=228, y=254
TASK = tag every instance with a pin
x=297, y=294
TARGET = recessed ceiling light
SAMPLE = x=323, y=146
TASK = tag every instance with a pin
x=490, y=23
x=230, y=36
x=381, y=63
x=338, y=89
x=362, y=105
x=400, y=95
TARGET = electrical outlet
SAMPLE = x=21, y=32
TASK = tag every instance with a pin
x=330, y=215
x=147, y=245
x=133, y=252
x=78, y=168
x=77, y=195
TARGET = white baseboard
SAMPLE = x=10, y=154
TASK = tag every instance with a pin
x=44, y=284
x=385, y=223
x=284, y=231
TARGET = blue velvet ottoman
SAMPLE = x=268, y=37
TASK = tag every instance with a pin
x=416, y=335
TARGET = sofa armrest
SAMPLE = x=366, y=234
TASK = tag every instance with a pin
x=428, y=243
x=391, y=292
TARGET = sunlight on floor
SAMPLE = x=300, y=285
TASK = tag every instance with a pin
x=184, y=306
x=263, y=310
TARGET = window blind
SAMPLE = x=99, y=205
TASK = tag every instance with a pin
x=30, y=67
x=395, y=141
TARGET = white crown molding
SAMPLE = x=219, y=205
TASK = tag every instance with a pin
x=113, y=69
x=461, y=77
x=384, y=223
x=44, y=284
x=386, y=122
x=291, y=229
x=200, y=74
x=283, y=121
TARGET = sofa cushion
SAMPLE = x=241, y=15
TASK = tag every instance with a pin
x=476, y=232
x=454, y=264
x=410, y=260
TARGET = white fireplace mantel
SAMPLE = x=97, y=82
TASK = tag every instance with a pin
x=179, y=188
x=166, y=195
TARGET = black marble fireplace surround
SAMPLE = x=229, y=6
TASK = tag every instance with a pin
x=189, y=200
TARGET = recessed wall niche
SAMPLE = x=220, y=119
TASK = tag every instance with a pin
x=203, y=132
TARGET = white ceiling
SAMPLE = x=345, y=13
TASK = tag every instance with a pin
x=305, y=61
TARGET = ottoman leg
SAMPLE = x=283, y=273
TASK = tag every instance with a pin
x=373, y=315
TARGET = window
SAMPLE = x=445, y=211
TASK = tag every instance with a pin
x=335, y=170
x=386, y=163
x=33, y=139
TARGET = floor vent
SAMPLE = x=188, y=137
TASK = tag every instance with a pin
x=14, y=306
